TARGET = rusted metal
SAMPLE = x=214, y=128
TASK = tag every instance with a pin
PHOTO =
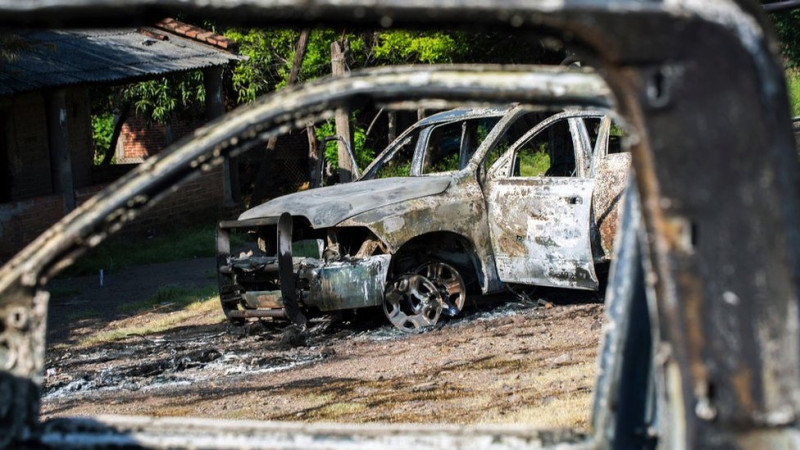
x=347, y=284
x=256, y=313
x=701, y=86
x=610, y=181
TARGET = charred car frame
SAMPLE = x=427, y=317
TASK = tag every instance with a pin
x=701, y=346
x=535, y=202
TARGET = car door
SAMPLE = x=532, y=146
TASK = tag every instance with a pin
x=539, y=199
x=610, y=166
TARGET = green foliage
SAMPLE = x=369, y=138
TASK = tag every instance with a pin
x=787, y=26
x=260, y=73
x=397, y=47
x=158, y=99
x=446, y=164
x=364, y=155
x=394, y=169
x=102, y=132
x=793, y=87
x=271, y=52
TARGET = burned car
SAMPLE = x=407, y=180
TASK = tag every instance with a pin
x=700, y=348
x=469, y=199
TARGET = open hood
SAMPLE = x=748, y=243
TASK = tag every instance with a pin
x=328, y=206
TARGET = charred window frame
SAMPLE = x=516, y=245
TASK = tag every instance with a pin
x=674, y=67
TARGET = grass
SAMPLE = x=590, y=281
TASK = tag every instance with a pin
x=570, y=410
x=169, y=297
x=123, y=251
x=533, y=164
x=184, y=304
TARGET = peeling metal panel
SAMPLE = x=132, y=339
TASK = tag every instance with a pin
x=540, y=231
x=263, y=299
x=607, y=200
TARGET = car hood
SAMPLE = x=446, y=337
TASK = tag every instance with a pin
x=327, y=206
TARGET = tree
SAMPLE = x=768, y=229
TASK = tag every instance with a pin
x=787, y=27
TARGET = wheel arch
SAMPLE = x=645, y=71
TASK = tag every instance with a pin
x=446, y=246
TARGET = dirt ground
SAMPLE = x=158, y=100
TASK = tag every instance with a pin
x=503, y=361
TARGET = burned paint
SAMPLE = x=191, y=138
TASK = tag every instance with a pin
x=346, y=284
x=610, y=181
x=554, y=243
x=664, y=59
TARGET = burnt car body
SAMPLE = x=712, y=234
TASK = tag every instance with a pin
x=535, y=202
x=701, y=345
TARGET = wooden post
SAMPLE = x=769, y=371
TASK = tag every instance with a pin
x=315, y=173
x=341, y=117
x=392, y=126
x=212, y=80
x=60, y=160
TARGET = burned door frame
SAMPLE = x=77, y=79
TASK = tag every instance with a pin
x=676, y=69
x=424, y=130
x=540, y=226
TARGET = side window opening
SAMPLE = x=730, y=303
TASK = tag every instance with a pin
x=615, y=139
x=518, y=129
x=443, y=149
x=399, y=165
x=451, y=146
x=550, y=153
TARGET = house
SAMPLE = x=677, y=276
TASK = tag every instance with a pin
x=46, y=149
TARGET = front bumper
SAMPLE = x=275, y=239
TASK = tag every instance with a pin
x=281, y=285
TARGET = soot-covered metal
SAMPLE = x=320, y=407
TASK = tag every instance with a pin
x=701, y=345
x=467, y=213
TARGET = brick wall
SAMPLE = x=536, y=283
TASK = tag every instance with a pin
x=22, y=221
x=138, y=140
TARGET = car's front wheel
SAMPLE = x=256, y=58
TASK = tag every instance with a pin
x=449, y=283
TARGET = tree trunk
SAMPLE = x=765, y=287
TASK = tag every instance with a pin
x=118, y=124
x=338, y=53
x=260, y=188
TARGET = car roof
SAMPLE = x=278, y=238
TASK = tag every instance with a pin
x=463, y=113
